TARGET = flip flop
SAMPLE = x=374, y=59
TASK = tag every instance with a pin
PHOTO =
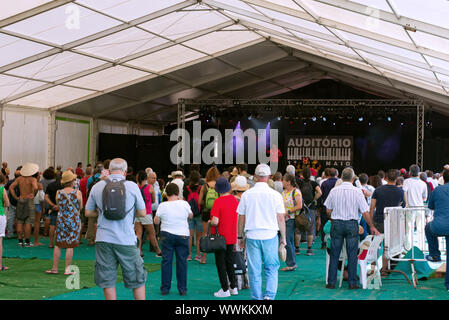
x=4, y=268
x=69, y=273
x=51, y=247
x=51, y=271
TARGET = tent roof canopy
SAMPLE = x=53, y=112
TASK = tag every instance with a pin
x=133, y=59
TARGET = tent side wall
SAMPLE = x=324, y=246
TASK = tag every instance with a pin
x=25, y=137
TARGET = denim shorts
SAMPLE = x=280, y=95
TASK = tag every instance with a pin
x=38, y=208
x=109, y=256
x=196, y=223
x=53, y=216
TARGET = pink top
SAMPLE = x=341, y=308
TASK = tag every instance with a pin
x=147, y=199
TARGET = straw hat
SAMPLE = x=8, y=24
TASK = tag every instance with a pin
x=68, y=176
x=176, y=173
x=234, y=172
x=29, y=169
x=240, y=184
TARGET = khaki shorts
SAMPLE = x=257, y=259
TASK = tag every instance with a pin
x=109, y=256
x=148, y=219
x=25, y=206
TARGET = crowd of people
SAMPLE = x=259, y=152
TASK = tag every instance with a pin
x=116, y=210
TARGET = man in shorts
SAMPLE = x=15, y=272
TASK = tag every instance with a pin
x=116, y=241
x=50, y=199
x=28, y=187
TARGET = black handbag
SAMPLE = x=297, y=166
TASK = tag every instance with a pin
x=212, y=242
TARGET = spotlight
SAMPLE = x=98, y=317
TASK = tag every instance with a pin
x=279, y=118
x=361, y=119
x=369, y=123
x=402, y=123
x=389, y=119
x=305, y=123
x=324, y=119
x=250, y=117
x=313, y=118
x=333, y=124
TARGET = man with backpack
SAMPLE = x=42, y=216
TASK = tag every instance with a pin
x=117, y=202
x=311, y=192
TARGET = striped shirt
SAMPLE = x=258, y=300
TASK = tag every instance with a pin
x=346, y=201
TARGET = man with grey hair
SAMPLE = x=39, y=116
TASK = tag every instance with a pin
x=415, y=193
x=261, y=215
x=344, y=204
x=116, y=241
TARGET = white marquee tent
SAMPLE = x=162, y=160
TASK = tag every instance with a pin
x=71, y=69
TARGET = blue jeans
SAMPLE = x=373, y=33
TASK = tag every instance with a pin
x=179, y=245
x=256, y=250
x=341, y=230
x=434, y=251
x=290, y=247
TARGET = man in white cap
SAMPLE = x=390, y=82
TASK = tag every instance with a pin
x=261, y=215
x=178, y=179
x=28, y=187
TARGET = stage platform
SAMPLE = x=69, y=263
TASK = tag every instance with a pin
x=29, y=281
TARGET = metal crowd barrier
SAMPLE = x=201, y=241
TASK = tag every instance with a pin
x=400, y=238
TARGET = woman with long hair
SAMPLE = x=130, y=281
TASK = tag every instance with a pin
x=293, y=203
x=191, y=193
x=146, y=222
x=207, y=198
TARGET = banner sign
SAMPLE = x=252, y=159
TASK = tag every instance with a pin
x=336, y=151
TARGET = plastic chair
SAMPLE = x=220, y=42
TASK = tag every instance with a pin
x=343, y=258
x=371, y=256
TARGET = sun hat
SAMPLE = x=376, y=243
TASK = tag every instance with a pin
x=222, y=185
x=263, y=170
x=240, y=184
x=234, y=172
x=68, y=176
x=176, y=173
x=29, y=169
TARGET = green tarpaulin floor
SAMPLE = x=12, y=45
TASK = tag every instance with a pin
x=29, y=281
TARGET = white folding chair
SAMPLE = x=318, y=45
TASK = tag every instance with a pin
x=371, y=256
x=343, y=258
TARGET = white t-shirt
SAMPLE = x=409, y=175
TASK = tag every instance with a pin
x=260, y=206
x=384, y=182
x=415, y=190
x=441, y=181
x=180, y=183
x=174, y=215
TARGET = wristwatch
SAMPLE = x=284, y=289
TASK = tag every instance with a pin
x=239, y=238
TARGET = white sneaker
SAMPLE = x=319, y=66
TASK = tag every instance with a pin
x=222, y=294
x=234, y=291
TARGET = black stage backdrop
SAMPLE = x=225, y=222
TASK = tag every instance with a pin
x=139, y=151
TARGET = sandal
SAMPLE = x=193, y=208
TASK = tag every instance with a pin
x=4, y=268
x=50, y=246
x=51, y=271
x=69, y=273
x=288, y=269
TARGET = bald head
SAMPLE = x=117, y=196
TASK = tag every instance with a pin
x=118, y=166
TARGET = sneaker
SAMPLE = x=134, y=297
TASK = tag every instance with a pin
x=309, y=252
x=21, y=244
x=433, y=259
x=222, y=294
x=297, y=250
x=234, y=291
x=28, y=244
x=189, y=258
x=159, y=255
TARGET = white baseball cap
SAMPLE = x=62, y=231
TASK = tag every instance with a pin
x=263, y=170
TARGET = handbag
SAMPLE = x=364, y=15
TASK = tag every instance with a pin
x=303, y=220
x=212, y=242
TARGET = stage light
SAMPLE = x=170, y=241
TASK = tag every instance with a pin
x=279, y=118
x=324, y=119
x=389, y=119
x=250, y=117
x=313, y=118
x=361, y=119
x=305, y=123
x=369, y=123
x=333, y=124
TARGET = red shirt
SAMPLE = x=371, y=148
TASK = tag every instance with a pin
x=225, y=209
x=83, y=189
x=79, y=172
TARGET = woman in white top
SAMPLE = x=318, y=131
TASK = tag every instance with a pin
x=173, y=215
